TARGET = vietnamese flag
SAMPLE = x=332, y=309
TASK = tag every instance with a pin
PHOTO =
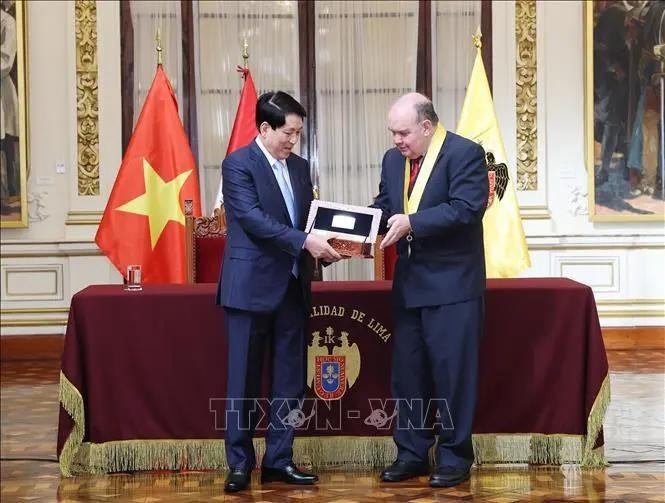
x=143, y=222
x=244, y=127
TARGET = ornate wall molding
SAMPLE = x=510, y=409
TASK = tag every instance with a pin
x=578, y=200
x=87, y=101
x=526, y=97
x=37, y=206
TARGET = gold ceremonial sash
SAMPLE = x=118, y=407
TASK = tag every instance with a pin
x=411, y=203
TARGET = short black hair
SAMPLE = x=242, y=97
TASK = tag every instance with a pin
x=273, y=107
x=425, y=111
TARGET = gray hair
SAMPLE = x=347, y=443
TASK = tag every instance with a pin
x=425, y=111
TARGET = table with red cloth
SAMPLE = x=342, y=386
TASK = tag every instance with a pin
x=144, y=373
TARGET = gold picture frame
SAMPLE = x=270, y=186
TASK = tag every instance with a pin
x=623, y=128
x=14, y=102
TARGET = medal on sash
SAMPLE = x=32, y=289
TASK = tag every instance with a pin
x=412, y=202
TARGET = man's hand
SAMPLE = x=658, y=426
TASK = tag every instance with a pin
x=318, y=247
x=399, y=226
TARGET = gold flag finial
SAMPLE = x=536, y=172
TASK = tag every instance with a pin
x=158, y=39
x=245, y=54
x=477, y=38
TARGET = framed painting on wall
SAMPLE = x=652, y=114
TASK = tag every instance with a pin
x=624, y=85
x=13, y=115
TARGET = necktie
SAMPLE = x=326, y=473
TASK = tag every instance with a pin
x=281, y=172
x=415, y=168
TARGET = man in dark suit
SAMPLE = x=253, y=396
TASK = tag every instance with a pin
x=265, y=288
x=433, y=193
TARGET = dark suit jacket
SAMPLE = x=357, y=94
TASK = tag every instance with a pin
x=261, y=241
x=447, y=262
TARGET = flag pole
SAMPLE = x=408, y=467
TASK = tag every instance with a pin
x=244, y=71
x=477, y=39
x=245, y=54
x=158, y=39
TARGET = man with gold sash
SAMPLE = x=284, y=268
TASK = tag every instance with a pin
x=433, y=195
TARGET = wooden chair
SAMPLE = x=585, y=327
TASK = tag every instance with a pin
x=384, y=261
x=205, y=238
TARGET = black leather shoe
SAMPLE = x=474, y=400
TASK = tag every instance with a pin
x=237, y=480
x=401, y=470
x=289, y=474
x=448, y=476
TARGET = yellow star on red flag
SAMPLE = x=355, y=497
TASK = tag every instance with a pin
x=160, y=202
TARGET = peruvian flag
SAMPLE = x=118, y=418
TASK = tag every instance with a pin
x=244, y=127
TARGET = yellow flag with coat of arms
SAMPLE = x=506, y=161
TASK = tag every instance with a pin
x=506, y=251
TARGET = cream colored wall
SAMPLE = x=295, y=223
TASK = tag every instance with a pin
x=45, y=264
x=623, y=262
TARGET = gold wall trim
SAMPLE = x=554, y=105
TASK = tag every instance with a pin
x=534, y=207
x=57, y=270
x=87, y=100
x=52, y=242
x=535, y=212
x=526, y=96
x=36, y=322
x=548, y=247
x=82, y=253
x=90, y=213
x=83, y=222
x=544, y=215
x=628, y=302
x=634, y=313
x=35, y=310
